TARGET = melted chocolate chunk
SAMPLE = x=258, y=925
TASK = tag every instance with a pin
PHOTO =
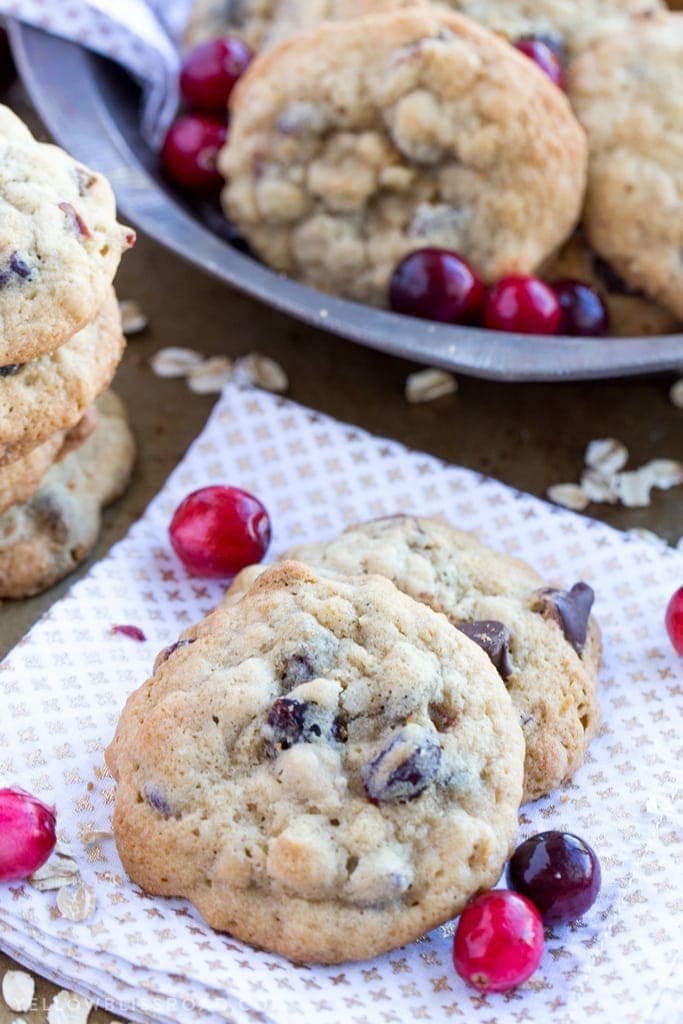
x=569, y=608
x=494, y=638
x=9, y=371
x=404, y=767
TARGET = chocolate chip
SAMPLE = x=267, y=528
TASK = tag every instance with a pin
x=569, y=608
x=494, y=638
x=404, y=767
x=156, y=799
x=16, y=267
x=9, y=371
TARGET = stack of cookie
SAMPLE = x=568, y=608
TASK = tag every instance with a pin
x=64, y=452
x=373, y=128
x=332, y=762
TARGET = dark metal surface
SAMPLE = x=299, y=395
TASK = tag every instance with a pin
x=91, y=107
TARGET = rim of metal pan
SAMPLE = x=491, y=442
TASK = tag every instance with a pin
x=91, y=108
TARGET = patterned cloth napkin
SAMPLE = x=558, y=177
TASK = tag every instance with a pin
x=140, y=34
x=148, y=959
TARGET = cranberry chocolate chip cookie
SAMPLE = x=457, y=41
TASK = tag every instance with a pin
x=326, y=768
x=627, y=93
x=566, y=25
x=542, y=640
x=53, y=392
x=47, y=536
x=60, y=244
x=358, y=142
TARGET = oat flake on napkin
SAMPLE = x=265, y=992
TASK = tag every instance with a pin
x=153, y=959
x=142, y=35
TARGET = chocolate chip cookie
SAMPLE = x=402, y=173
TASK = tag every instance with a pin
x=60, y=244
x=327, y=768
x=627, y=93
x=566, y=25
x=360, y=141
x=542, y=640
x=52, y=392
x=46, y=537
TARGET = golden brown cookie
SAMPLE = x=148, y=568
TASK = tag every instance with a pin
x=358, y=142
x=541, y=639
x=327, y=768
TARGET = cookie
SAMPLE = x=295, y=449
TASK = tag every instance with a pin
x=542, y=641
x=52, y=392
x=60, y=244
x=327, y=769
x=568, y=25
x=627, y=93
x=358, y=142
x=631, y=313
x=46, y=537
x=20, y=479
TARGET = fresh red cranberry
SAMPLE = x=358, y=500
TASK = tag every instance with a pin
x=558, y=872
x=209, y=72
x=216, y=531
x=190, y=151
x=498, y=943
x=523, y=304
x=583, y=312
x=436, y=284
x=544, y=56
x=27, y=834
x=674, y=620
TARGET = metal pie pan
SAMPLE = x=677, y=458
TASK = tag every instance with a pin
x=91, y=107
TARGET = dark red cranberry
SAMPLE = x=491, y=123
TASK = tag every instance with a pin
x=584, y=314
x=209, y=72
x=674, y=620
x=190, y=151
x=498, y=943
x=216, y=531
x=285, y=723
x=522, y=304
x=436, y=284
x=558, y=872
x=545, y=56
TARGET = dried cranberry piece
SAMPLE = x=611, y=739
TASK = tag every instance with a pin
x=74, y=220
x=132, y=632
x=404, y=767
x=285, y=723
x=9, y=371
x=166, y=653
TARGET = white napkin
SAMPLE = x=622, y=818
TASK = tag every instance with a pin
x=140, y=34
x=154, y=960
